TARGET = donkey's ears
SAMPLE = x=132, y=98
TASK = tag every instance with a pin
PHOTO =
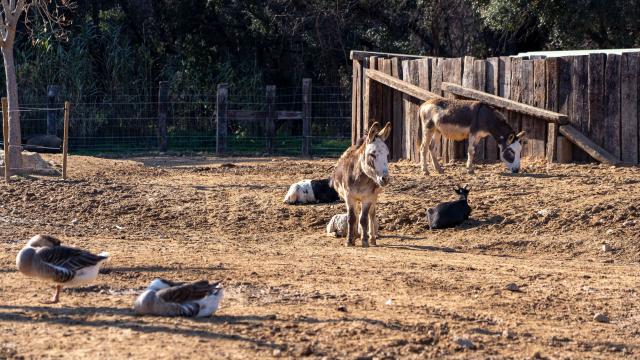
x=511, y=139
x=373, y=132
x=385, y=132
x=456, y=188
x=520, y=135
x=467, y=187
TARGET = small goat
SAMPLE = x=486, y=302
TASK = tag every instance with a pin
x=338, y=226
x=452, y=213
x=311, y=191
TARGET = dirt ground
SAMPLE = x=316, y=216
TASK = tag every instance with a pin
x=292, y=292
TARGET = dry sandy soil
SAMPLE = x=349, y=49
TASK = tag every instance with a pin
x=291, y=291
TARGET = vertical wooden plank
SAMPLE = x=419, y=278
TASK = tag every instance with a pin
x=415, y=119
x=411, y=112
x=468, y=72
x=381, y=91
x=270, y=119
x=306, y=117
x=526, y=83
x=537, y=141
x=579, y=115
x=373, y=96
x=453, y=71
x=515, y=92
x=397, y=121
x=387, y=103
x=504, y=77
x=65, y=139
x=491, y=86
x=355, y=100
x=424, y=76
x=436, y=83
x=406, y=113
x=564, y=96
x=596, y=98
x=5, y=138
x=612, y=103
x=163, y=104
x=479, y=83
x=221, y=118
x=551, y=97
x=629, y=107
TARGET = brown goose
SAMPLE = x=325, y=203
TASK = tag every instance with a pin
x=43, y=257
x=168, y=298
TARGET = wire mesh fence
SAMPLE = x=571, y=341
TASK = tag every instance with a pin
x=127, y=122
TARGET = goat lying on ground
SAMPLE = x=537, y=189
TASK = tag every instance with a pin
x=311, y=191
x=452, y=213
x=338, y=226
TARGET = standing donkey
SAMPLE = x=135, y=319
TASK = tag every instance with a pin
x=359, y=176
x=461, y=119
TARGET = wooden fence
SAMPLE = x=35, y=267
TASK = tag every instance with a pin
x=598, y=93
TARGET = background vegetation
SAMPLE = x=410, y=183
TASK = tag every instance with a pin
x=117, y=45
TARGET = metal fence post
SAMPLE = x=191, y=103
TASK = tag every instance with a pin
x=221, y=118
x=52, y=94
x=306, y=117
x=270, y=119
x=163, y=100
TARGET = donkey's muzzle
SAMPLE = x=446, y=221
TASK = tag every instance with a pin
x=515, y=171
x=383, y=181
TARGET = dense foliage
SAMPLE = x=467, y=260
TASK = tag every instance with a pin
x=118, y=45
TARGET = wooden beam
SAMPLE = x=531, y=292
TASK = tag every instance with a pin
x=497, y=101
x=588, y=146
x=409, y=89
x=65, y=139
x=361, y=55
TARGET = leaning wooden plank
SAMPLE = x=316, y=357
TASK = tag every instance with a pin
x=629, y=107
x=497, y=101
x=424, y=76
x=588, y=146
x=407, y=88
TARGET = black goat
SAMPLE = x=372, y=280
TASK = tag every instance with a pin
x=452, y=213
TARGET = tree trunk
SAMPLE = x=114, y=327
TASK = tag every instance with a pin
x=15, y=138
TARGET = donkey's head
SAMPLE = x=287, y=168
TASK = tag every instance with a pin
x=375, y=158
x=510, y=149
x=462, y=191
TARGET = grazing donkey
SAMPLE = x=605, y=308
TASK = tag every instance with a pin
x=452, y=213
x=461, y=119
x=359, y=177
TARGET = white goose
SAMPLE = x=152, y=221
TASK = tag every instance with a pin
x=167, y=298
x=43, y=257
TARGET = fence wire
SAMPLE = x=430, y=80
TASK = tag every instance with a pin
x=128, y=123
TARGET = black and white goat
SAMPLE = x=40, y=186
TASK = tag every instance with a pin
x=452, y=213
x=311, y=191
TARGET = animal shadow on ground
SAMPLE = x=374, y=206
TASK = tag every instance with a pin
x=473, y=223
x=532, y=175
x=64, y=316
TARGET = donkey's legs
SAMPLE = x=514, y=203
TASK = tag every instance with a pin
x=427, y=135
x=471, y=152
x=364, y=219
x=434, y=158
x=373, y=225
x=351, y=224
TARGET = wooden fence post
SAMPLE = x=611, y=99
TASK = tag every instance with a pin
x=5, y=137
x=221, y=118
x=270, y=119
x=306, y=117
x=65, y=139
x=163, y=99
x=52, y=94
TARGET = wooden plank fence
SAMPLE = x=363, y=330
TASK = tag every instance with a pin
x=594, y=97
